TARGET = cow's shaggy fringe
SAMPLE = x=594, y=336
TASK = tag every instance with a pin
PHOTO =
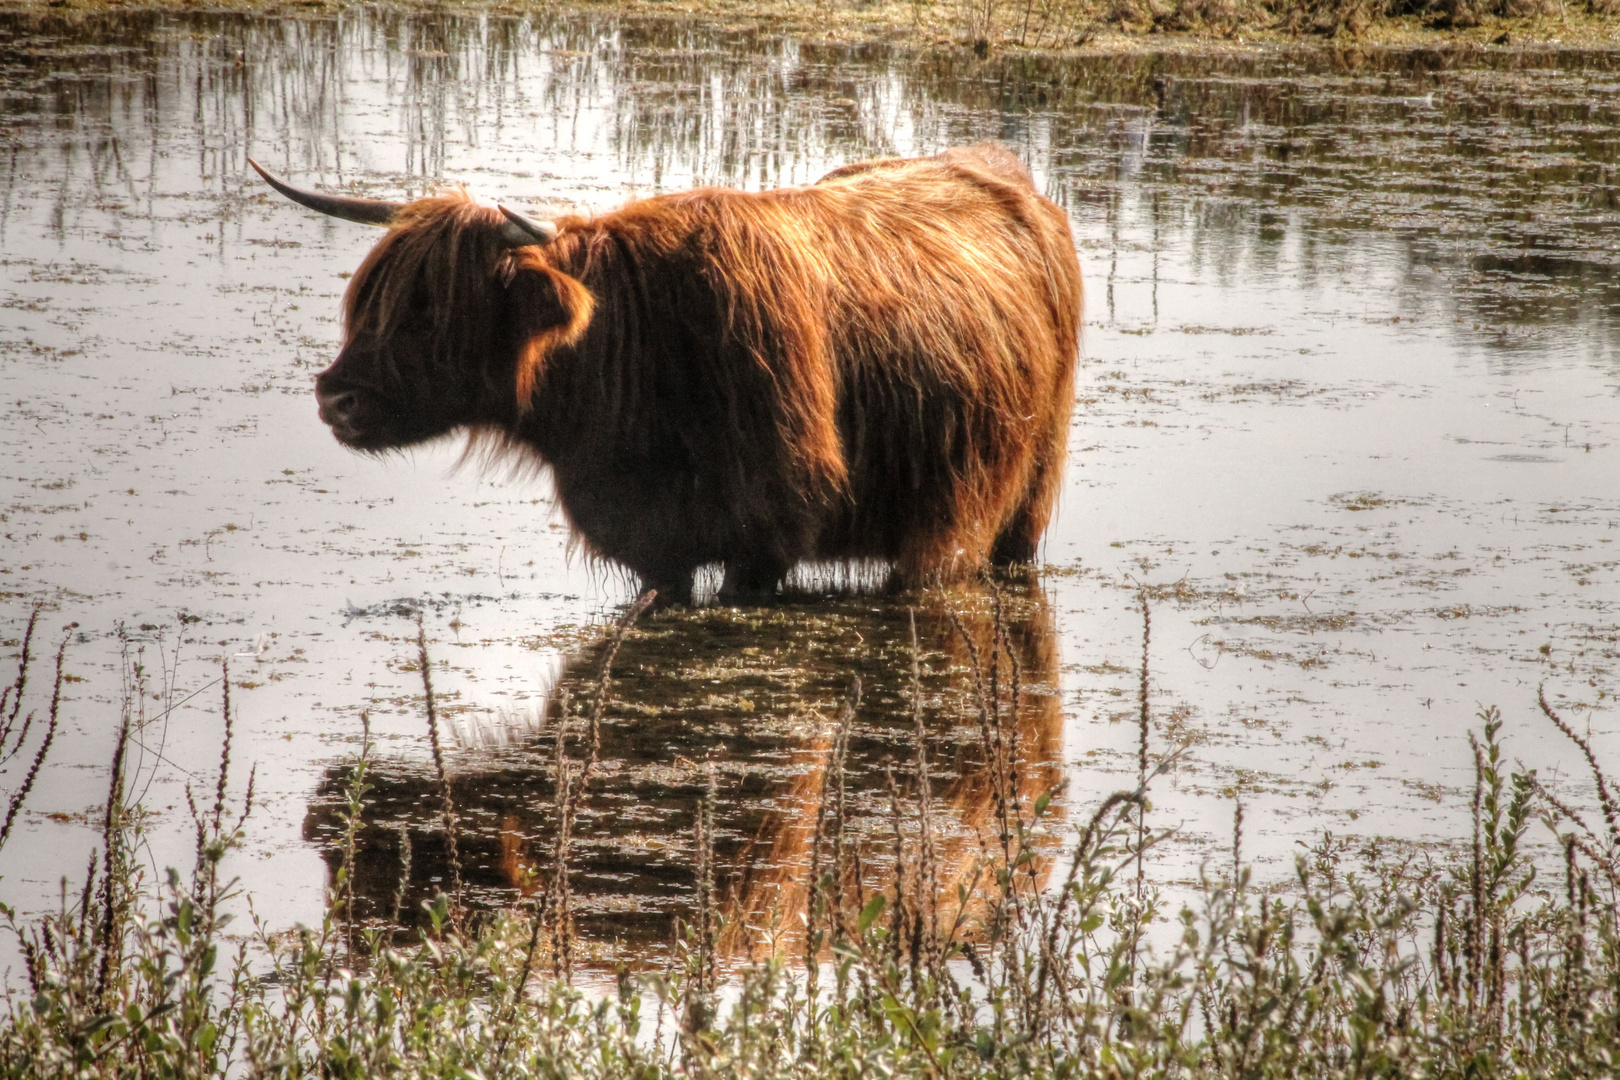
x=1370, y=964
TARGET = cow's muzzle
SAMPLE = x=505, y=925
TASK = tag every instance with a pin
x=338, y=409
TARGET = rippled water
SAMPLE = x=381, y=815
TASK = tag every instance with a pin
x=1348, y=409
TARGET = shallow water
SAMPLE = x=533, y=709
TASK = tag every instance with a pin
x=1348, y=409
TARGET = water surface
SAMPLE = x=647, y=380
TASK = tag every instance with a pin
x=1347, y=411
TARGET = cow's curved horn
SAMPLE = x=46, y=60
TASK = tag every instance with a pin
x=365, y=211
x=521, y=231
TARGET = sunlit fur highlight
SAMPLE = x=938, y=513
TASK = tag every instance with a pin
x=875, y=366
x=574, y=299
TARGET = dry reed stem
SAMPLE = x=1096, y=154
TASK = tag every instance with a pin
x=604, y=673
x=350, y=831
x=988, y=735
x=554, y=906
x=897, y=917
x=404, y=878
x=550, y=906
x=1142, y=723
x=700, y=999
x=814, y=901
x=840, y=817
x=708, y=910
x=1082, y=854
x=1014, y=703
x=447, y=804
x=818, y=909
x=927, y=868
x=558, y=899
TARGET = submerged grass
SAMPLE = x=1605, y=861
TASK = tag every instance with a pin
x=1362, y=965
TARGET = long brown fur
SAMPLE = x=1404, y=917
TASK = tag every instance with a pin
x=878, y=365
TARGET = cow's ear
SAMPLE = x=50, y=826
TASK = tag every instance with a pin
x=548, y=309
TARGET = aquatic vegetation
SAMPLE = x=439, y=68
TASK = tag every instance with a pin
x=1366, y=963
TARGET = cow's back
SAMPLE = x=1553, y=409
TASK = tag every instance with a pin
x=879, y=364
x=955, y=326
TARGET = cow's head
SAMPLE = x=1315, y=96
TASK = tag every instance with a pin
x=445, y=322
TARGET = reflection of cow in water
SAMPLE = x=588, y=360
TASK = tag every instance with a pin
x=754, y=695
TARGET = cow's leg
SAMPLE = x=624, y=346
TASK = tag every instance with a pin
x=1020, y=536
x=674, y=587
x=752, y=578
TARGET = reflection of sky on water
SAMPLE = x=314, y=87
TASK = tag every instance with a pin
x=1350, y=380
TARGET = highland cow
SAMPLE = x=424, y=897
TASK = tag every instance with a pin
x=876, y=366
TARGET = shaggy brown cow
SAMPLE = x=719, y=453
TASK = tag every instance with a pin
x=875, y=366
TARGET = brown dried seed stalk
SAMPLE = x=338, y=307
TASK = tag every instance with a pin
x=1237, y=843
x=448, y=807
x=404, y=878
x=897, y=917
x=111, y=825
x=1476, y=880
x=1611, y=812
x=1082, y=853
x=225, y=747
x=840, y=818
x=1143, y=721
x=14, y=693
x=44, y=750
x=987, y=736
x=927, y=869
x=571, y=785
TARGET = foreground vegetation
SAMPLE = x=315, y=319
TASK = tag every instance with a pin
x=1362, y=965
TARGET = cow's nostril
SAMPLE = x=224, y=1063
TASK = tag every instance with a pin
x=336, y=407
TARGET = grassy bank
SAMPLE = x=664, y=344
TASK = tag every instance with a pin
x=1366, y=963
x=989, y=26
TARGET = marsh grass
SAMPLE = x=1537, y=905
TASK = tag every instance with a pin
x=1364, y=964
x=987, y=26
x=992, y=25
